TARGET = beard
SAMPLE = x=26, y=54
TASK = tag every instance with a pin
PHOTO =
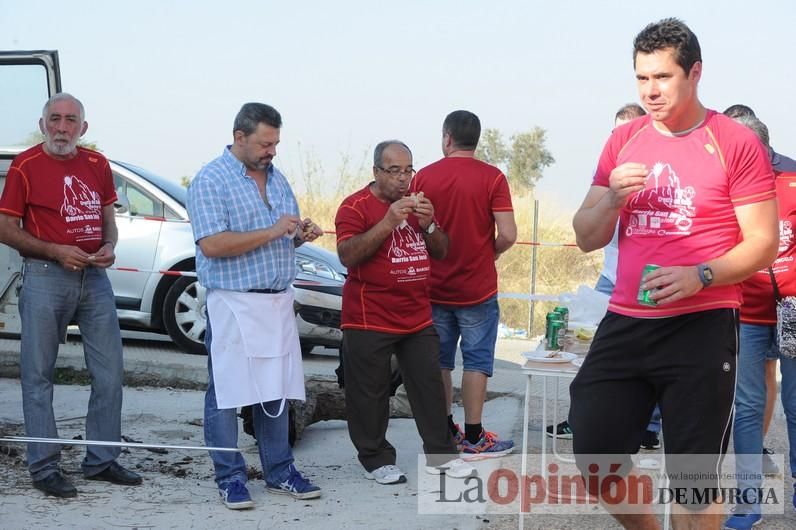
x=60, y=148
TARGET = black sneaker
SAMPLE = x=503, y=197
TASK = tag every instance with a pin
x=650, y=441
x=563, y=430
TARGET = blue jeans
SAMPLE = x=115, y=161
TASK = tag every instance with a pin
x=756, y=345
x=477, y=327
x=50, y=299
x=221, y=430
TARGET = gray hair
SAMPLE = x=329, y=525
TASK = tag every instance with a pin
x=379, y=151
x=733, y=111
x=757, y=126
x=252, y=114
x=63, y=96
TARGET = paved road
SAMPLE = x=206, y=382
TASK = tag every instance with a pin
x=179, y=491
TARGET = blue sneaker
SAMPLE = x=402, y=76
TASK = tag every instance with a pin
x=488, y=446
x=295, y=485
x=235, y=496
x=743, y=521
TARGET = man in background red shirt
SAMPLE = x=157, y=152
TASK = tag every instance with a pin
x=472, y=198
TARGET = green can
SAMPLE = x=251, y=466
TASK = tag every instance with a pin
x=644, y=296
x=552, y=315
x=555, y=333
x=564, y=312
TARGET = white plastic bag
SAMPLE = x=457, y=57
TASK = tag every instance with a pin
x=587, y=307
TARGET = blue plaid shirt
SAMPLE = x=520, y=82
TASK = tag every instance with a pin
x=222, y=198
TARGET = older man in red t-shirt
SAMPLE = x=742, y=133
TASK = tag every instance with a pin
x=63, y=195
x=385, y=239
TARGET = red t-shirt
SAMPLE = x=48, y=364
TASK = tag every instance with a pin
x=685, y=215
x=465, y=193
x=388, y=292
x=758, y=293
x=60, y=201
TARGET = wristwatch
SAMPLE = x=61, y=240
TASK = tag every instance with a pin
x=705, y=274
x=430, y=229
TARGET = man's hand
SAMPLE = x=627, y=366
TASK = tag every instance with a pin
x=71, y=258
x=670, y=284
x=399, y=211
x=424, y=212
x=287, y=225
x=309, y=230
x=105, y=256
x=625, y=180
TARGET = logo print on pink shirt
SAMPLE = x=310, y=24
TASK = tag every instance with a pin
x=664, y=207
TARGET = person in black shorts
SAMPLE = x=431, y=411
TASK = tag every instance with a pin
x=694, y=196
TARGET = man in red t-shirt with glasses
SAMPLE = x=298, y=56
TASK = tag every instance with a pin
x=472, y=199
x=63, y=195
x=386, y=240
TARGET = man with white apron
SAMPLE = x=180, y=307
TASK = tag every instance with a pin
x=246, y=226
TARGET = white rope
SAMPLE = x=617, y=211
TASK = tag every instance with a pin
x=66, y=441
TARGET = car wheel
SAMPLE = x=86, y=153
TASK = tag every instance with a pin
x=185, y=315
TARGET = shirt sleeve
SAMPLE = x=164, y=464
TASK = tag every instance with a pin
x=206, y=207
x=751, y=176
x=15, y=193
x=348, y=222
x=606, y=163
x=500, y=194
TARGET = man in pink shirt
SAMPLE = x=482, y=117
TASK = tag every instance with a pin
x=694, y=194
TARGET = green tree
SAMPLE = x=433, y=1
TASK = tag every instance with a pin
x=523, y=162
x=491, y=148
x=185, y=181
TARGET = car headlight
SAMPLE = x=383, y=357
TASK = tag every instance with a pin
x=317, y=268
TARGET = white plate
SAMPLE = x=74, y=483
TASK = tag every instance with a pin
x=540, y=356
x=578, y=362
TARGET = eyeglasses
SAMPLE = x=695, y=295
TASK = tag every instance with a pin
x=396, y=171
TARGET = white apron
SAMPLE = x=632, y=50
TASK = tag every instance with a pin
x=255, y=348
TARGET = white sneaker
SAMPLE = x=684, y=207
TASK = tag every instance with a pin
x=456, y=468
x=389, y=474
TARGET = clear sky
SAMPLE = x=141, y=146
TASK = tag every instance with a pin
x=162, y=80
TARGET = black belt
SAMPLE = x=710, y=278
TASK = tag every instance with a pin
x=266, y=291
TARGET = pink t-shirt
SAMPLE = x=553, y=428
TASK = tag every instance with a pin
x=685, y=216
